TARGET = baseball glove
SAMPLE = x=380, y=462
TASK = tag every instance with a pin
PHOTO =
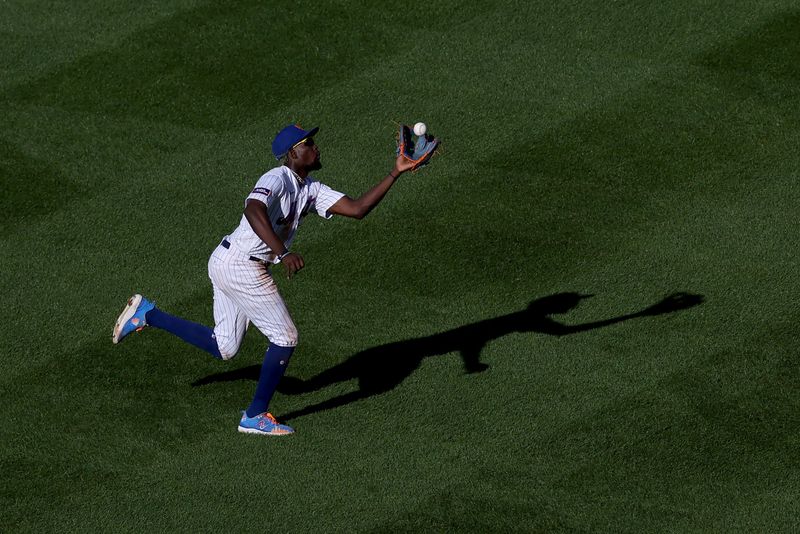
x=417, y=152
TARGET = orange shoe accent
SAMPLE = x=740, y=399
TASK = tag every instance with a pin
x=275, y=422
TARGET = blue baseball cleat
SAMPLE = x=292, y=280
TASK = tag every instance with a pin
x=265, y=424
x=132, y=317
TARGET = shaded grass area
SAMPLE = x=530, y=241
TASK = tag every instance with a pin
x=623, y=151
x=29, y=185
x=217, y=66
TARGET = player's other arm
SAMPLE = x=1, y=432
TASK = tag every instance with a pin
x=256, y=213
x=359, y=208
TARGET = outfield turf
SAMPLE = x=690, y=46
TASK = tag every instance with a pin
x=628, y=150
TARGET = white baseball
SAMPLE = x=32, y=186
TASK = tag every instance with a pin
x=420, y=128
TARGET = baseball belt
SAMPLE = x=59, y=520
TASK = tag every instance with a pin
x=226, y=244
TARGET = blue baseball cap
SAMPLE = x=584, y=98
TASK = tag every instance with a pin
x=288, y=137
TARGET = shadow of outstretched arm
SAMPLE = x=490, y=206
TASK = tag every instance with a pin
x=671, y=303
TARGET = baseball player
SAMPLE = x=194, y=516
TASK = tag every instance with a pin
x=239, y=268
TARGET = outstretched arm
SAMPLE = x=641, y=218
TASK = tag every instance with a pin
x=360, y=207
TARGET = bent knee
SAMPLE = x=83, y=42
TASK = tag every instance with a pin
x=227, y=355
x=227, y=351
x=287, y=337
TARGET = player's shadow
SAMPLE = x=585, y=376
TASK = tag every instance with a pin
x=382, y=368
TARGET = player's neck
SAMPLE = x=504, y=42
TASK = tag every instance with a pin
x=300, y=171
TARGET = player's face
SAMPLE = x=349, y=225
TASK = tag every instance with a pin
x=308, y=154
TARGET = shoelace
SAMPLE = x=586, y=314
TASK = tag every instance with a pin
x=272, y=419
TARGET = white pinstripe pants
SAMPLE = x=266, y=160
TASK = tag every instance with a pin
x=245, y=292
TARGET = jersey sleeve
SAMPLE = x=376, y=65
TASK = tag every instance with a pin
x=267, y=189
x=325, y=198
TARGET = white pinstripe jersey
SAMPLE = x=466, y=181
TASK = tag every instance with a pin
x=288, y=202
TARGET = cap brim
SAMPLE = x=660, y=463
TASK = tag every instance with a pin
x=311, y=133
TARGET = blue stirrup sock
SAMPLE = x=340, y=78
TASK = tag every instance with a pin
x=275, y=361
x=198, y=335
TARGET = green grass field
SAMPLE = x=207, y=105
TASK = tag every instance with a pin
x=627, y=150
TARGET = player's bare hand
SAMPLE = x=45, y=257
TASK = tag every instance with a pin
x=292, y=262
x=402, y=165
